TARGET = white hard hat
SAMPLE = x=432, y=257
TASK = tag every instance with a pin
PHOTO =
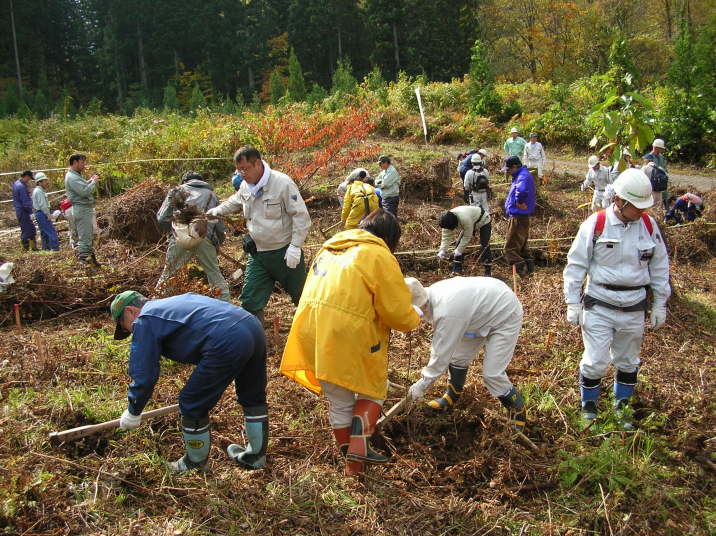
x=40, y=176
x=476, y=158
x=626, y=152
x=514, y=131
x=483, y=152
x=658, y=142
x=632, y=185
x=419, y=296
x=593, y=160
x=355, y=174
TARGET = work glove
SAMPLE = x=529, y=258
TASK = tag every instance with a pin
x=458, y=252
x=582, y=187
x=128, y=421
x=658, y=316
x=574, y=313
x=417, y=390
x=293, y=256
x=213, y=212
x=442, y=254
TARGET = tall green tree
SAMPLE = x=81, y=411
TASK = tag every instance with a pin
x=296, y=90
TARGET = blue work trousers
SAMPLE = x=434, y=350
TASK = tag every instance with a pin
x=27, y=228
x=48, y=233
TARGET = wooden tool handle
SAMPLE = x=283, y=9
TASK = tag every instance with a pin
x=83, y=431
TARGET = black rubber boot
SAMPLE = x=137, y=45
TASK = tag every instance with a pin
x=530, y=266
x=515, y=404
x=488, y=270
x=456, y=383
x=457, y=261
x=94, y=261
x=25, y=245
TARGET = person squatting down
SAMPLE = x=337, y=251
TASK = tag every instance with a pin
x=41, y=205
x=199, y=194
x=460, y=224
x=686, y=207
x=598, y=176
x=225, y=343
x=468, y=313
x=620, y=251
x=277, y=223
x=359, y=200
x=338, y=343
x=476, y=183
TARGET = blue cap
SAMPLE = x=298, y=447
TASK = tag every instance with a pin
x=236, y=181
x=649, y=156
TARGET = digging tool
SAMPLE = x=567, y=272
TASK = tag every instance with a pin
x=82, y=431
x=392, y=412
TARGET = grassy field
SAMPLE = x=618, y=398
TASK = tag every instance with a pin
x=459, y=473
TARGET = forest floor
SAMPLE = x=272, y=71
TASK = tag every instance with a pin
x=460, y=473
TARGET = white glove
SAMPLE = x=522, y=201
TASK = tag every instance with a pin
x=574, y=313
x=582, y=187
x=658, y=316
x=212, y=212
x=442, y=254
x=458, y=252
x=128, y=421
x=293, y=256
x=417, y=390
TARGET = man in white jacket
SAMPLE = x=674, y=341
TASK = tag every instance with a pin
x=467, y=313
x=598, y=176
x=620, y=251
x=277, y=221
x=533, y=155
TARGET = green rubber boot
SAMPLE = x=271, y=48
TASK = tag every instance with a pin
x=253, y=455
x=197, y=441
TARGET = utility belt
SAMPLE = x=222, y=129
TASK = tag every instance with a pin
x=621, y=288
x=590, y=301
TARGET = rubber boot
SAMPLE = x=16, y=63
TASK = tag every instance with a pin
x=197, y=441
x=624, y=384
x=260, y=315
x=365, y=415
x=589, y=389
x=521, y=268
x=25, y=245
x=488, y=270
x=253, y=456
x=457, y=261
x=530, y=266
x=94, y=260
x=32, y=244
x=456, y=382
x=343, y=438
x=515, y=405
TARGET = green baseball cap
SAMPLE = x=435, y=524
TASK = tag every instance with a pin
x=119, y=302
x=384, y=158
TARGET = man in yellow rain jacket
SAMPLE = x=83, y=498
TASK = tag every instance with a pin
x=359, y=201
x=338, y=344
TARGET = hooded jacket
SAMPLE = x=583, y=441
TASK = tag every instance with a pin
x=522, y=191
x=354, y=203
x=354, y=295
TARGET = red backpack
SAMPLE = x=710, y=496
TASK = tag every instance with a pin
x=602, y=218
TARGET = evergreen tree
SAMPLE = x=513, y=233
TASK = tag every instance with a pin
x=276, y=87
x=343, y=80
x=197, y=99
x=484, y=100
x=170, y=101
x=296, y=90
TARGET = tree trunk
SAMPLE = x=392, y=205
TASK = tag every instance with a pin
x=340, y=45
x=17, y=55
x=176, y=64
x=142, y=64
x=667, y=15
x=395, y=46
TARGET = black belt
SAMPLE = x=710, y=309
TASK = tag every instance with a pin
x=590, y=301
x=620, y=287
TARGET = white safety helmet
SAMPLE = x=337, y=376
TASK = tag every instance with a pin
x=476, y=158
x=658, y=142
x=593, y=160
x=633, y=186
x=514, y=131
x=625, y=152
x=419, y=296
x=483, y=152
x=40, y=176
x=355, y=174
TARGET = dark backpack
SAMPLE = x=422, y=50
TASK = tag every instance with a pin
x=659, y=179
x=478, y=180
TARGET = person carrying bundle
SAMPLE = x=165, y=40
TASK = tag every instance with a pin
x=360, y=199
x=194, y=237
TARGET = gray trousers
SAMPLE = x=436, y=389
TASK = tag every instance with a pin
x=205, y=253
x=84, y=223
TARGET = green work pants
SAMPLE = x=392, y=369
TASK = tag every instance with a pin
x=262, y=271
x=205, y=254
x=84, y=223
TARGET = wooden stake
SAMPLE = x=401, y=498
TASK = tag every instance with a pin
x=514, y=278
x=276, y=324
x=392, y=412
x=18, y=324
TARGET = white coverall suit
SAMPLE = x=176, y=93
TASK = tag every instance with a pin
x=534, y=157
x=626, y=256
x=467, y=313
x=600, y=178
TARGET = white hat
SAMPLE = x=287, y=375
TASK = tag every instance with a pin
x=355, y=174
x=632, y=185
x=514, y=131
x=476, y=158
x=593, y=160
x=420, y=297
x=625, y=152
x=40, y=176
x=483, y=152
x=658, y=142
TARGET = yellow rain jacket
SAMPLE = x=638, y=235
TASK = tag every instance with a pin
x=354, y=203
x=354, y=295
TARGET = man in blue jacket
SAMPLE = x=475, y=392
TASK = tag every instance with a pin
x=520, y=203
x=22, y=202
x=224, y=342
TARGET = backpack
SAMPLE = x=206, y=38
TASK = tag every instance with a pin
x=602, y=219
x=478, y=181
x=659, y=179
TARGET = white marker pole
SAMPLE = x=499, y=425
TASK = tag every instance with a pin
x=422, y=113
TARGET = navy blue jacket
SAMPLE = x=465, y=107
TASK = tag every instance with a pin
x=21, y=199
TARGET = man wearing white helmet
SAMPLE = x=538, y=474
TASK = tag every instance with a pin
x=476, y=183
x=468, y=313
x=659, y=160
x=515, y=144
x=598, y=176
x=620, y=251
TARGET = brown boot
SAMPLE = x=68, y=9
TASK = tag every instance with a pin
x=343, y=437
